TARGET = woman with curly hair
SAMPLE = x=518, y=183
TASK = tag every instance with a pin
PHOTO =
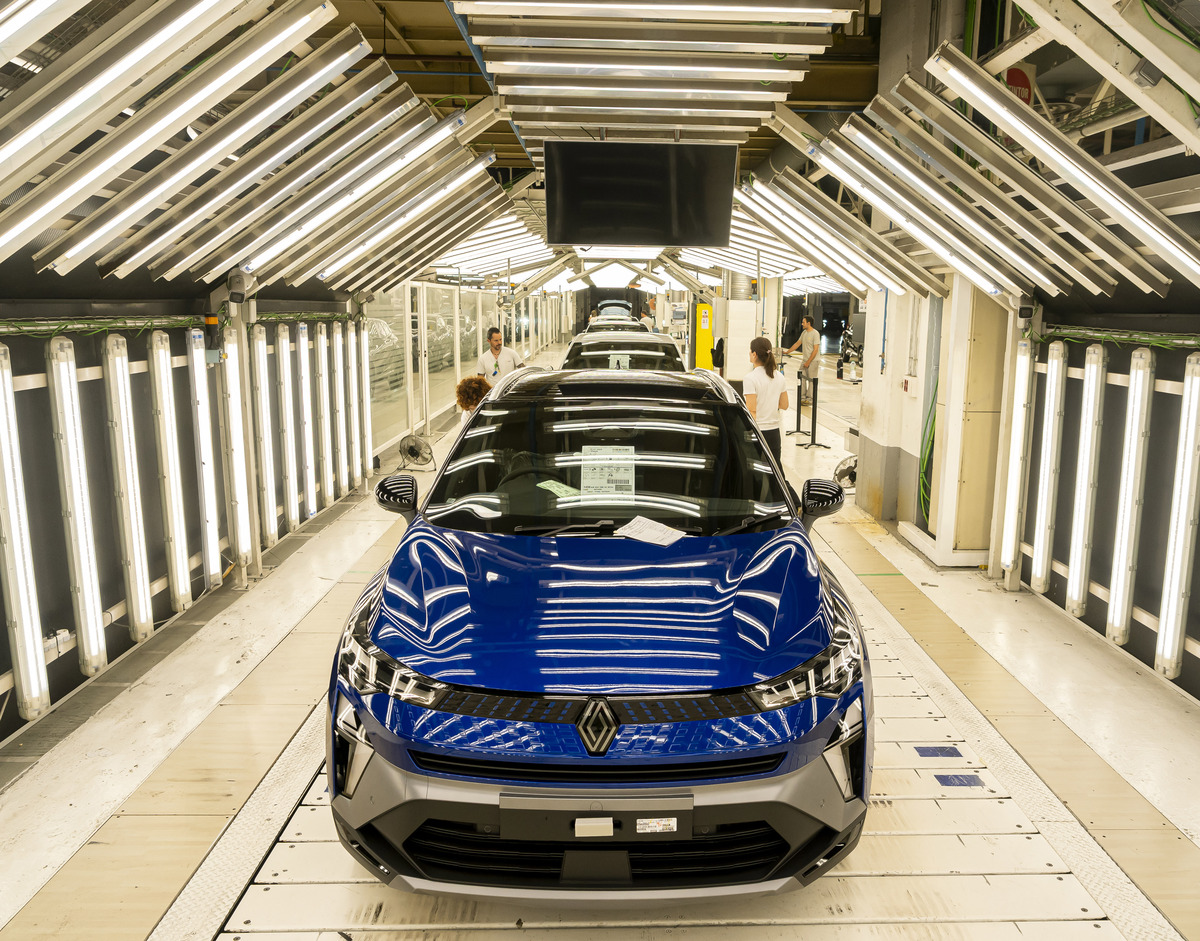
x=470, y=392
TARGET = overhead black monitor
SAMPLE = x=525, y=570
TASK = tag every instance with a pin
x=605, y=193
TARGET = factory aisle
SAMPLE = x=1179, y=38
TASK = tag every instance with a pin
x=1003, y=806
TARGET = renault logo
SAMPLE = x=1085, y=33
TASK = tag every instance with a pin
x=597, y=726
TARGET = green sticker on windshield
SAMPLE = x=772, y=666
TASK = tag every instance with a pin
x=558, y=488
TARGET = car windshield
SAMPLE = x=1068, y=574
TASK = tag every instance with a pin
x=593, y=465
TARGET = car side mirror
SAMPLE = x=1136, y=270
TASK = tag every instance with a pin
x=820, y=498
x=398, y=493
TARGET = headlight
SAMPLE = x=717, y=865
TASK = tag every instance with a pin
x=369, y=670
x=831, y=672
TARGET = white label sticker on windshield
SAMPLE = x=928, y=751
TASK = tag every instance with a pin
x=558, y=488
x=607, y=469
x=618, y=360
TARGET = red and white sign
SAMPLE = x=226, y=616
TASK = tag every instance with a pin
x=1019, y=80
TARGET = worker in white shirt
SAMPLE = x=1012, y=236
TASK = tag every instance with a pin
x=498, y=360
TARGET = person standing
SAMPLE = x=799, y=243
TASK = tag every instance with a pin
x=810, y=349
x=498, y=360
x=647, y=320
x=765, y=394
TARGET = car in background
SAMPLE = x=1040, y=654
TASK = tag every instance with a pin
x=605, y=664
x=614, y=306
x=623, y=350
x=601, y=324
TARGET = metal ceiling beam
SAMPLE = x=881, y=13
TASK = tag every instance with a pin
x=495, y=31
x=751, y=11
x=683, y=277
x=1015, y=49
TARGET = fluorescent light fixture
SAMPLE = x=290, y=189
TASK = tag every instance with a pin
x=206, y=151
x=1049, y=463
x=751, y=12
x=917, y=220
x=210, y=247
x=364, y=378
x=260, y=379
x=287, y=427
x=650, y=89
x=596, y=64
x=1087, y=469
x=954, y=206
x=1129, y=495
x=301, y=222
x=627, y=252
x=1078, y=168
x=1018, y=457
x=188, y=214
x=170, y=475
x=352, y=392
x=21, y=613
x=307, y=428
x=130, y=522
x=208, y=83
x=324, y=431
x=340, y=455
x=22, y=24
x=202, y=425
x=73, y=488
x=390, y=226
x=1181, y=536
x=240, y=540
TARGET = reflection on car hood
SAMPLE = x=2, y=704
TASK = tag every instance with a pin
x=601, y=615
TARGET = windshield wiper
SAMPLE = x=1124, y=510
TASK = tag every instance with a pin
x=750, y=521
x=608, y=525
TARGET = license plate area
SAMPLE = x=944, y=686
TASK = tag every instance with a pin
x=555, y=819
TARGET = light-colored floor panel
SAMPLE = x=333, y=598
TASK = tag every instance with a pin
x=318, y=792
x=950, y=854
x=830, y=900
x=905, y=707
x=922, y=729
x=310, y=823
x=925, y=755
x=947, y=816
x=896, y=686
x=899, y=783
x=975, y=931
x=295, y=672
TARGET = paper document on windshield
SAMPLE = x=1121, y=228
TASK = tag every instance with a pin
x=647, y=530
x=607, y=469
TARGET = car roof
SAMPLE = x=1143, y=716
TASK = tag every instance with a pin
x=610, y=383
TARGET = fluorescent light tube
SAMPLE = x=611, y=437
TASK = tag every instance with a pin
x=338, y=374
x=67, y=422
x=324, y=429
x=170, y=476
x=796, y=12
x=21, y=613
x=130, y=521
x=207, y=150
x=1087, y=469
x=202, y=427
x=1018, y=457
x=264, y=429
x=1049, y=463
x=1078, y=168
x=364, y=378
x=296, y=225
x=1181, y=535
x=23, y=24
x=387, y=229
x=287, y=427
x=307, y=428
x=352, y=392
x=240, y=540
x=1129, y=495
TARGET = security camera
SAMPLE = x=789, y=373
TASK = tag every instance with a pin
x=363, y=297
x=238, y=286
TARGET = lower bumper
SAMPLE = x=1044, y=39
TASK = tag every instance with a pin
x=453, y=837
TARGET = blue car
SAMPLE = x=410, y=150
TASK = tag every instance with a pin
x=605, y=662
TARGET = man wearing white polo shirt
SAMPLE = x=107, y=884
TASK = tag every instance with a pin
x=497, y=361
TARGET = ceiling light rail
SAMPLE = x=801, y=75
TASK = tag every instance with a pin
x=563, y=33
x=749, y=11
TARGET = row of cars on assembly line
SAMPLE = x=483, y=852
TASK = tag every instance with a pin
x=604, y=663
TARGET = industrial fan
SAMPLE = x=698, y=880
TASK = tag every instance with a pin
x=415, y=452
x=846, y=473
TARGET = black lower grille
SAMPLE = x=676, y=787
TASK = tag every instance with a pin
x=732, y=854
x=610, y=773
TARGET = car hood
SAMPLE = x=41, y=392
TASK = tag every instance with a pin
x=601, y=615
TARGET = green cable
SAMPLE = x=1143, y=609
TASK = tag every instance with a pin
x=925, y=491
x=462, y=98
x=1183, y=39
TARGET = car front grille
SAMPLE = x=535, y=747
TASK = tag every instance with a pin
x=732, y=854
x=594, y=773
x=629, y=710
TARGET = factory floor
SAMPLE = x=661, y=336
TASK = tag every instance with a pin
x=1031, y=780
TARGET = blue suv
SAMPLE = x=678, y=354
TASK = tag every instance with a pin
x=604, y=662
